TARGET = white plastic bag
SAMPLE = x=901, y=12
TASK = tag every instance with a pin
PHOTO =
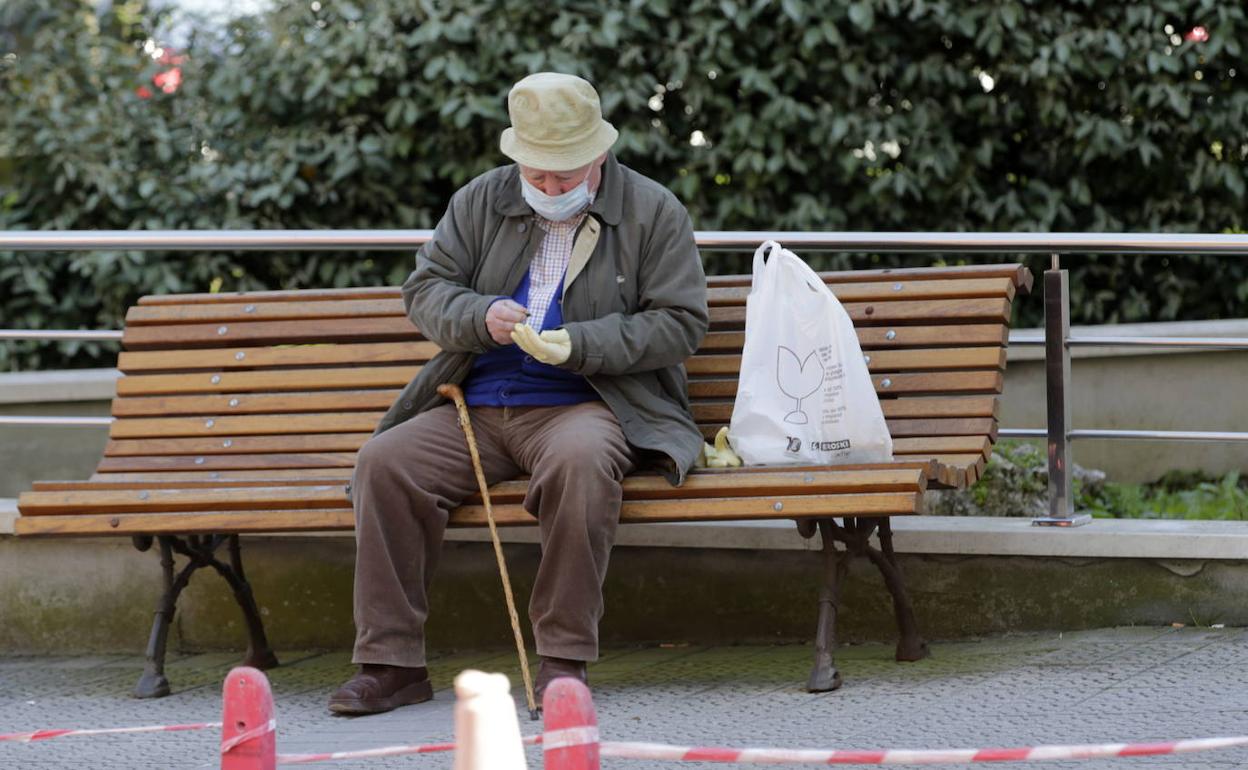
x=804, y=395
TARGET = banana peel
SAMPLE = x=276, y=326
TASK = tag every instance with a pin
x=720, y=454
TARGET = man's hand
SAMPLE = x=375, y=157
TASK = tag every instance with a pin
x=550, y=347
x=502, y=317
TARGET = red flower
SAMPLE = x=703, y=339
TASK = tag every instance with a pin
x=169, y=80
x=1197, y=35
x=144, y=92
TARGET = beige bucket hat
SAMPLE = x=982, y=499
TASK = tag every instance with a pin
x=556, y=123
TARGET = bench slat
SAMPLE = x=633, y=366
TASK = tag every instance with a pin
x=942, y=406
x=419, y=351
x=722, y=509
x=925, y=449
x=171, y=479
x=209, y=522
x=875, y=313
x=194, y=479
x=292, y=402
x=235, y=428
x=279, y=443
x=961, y=288
x=326, y=308
x=178, y=500
x=877, y=337
x=395, y=328
x=200, y=479
x=256, y=403
x=373, y=400
x=926, y=383
x=293, y=355
x=924, y=359
x=267, y=380
x=932, y=446
x=230, y=312
x=328, y=519
x=209, y=463
x=764, y=482
x=954, y=426
x=273, y=295
x=641, y=487
x=361, y=377
x=392, y=328
x=719, y=345
x=935, y=428
x=952, y=335
x=1018, y=275
x=898, y=408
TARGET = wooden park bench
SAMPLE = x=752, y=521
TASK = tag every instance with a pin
x=242, y=413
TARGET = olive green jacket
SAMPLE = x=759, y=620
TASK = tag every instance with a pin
x=635, y=310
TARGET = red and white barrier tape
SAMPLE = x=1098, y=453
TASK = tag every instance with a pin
x=43, y=735
x=384, y=751
x=911, y=756
x=228, y=744
x=578, y=736
x=569, y=737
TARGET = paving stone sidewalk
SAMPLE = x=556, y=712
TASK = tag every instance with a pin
x=1137, y=684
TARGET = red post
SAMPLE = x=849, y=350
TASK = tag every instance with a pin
x=248, y=733
x=571, y=726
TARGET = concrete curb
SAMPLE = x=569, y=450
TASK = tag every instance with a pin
x=951, y=535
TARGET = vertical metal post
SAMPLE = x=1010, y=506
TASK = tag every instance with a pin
x=1057, y=390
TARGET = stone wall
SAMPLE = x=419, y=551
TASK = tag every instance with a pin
x=79, y=595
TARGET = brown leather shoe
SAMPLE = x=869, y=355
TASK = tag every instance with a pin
x=553, y=668
x=377, y=688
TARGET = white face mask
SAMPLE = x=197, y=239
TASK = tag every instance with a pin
x=556, y=208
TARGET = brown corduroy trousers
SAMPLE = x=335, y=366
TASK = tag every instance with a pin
x=408, y=479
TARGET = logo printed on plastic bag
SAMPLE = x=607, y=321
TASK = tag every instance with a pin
x=798, y=380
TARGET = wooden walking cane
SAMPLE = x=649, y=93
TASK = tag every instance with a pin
x=453, y=393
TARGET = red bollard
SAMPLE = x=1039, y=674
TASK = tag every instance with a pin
x=570, y=741
x=248, y=731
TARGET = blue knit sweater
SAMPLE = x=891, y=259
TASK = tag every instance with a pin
x=507, y=376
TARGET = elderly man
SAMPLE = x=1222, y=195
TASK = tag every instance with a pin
x=565, y=291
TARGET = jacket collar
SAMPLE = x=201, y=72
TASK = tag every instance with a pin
x=608, y=202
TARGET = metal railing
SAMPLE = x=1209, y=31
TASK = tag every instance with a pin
x=399, y=240
x=1057, y=339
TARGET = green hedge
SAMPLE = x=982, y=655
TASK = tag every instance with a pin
x=866, y=115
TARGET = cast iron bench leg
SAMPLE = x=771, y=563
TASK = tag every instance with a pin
x=199, y=552
x=152, y=683
x=824, y=677
x=911, y=645
x=259, y=653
